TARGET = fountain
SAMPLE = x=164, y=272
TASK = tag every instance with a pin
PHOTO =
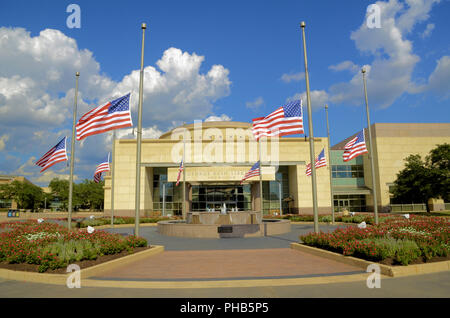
x=224, y=224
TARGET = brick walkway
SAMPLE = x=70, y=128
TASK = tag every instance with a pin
x=229, y=264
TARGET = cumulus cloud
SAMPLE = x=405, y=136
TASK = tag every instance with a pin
x=292, y=77
x=345, y=65
x=427, y=32
x=3, y=140
x=439, y=80
x=318, y=99
x=37, y=80
x=178, y=87
x=390, y=73
x=256, y=104
x=222, y=117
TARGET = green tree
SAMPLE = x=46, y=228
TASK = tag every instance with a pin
x=26, y=195
x=60, y=191
x=422, y=180
x=439, y=162
x=91, y=194
x=86, y=195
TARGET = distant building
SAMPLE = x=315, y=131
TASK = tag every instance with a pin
x=5, y=179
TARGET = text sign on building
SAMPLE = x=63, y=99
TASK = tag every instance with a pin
x=218, y=174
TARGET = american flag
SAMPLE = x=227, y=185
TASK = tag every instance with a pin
x=286, y=120
x=103, y=167
x=321, y=161
x=180, y=170
x=56, y=154
x=253, y=172
x=355, y=147
x=113, y=115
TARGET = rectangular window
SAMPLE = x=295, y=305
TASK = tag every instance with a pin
x=173, y=194
x=347, y=171
x=352, y=202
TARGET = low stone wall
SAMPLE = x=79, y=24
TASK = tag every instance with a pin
x=183, y=229
x=247, y=217
x=47, y=215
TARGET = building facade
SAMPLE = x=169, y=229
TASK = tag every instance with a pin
x=218, y=154
x=392, y=144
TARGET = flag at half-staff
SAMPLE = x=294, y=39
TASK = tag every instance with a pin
x=355, y=147
x=56, y=154
x=285, y=120
x=321, y=161
x=253, y=172
x=103, y=167
x=180, y=170
x=114, y=115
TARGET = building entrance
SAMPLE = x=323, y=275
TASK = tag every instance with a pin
x=212, y=197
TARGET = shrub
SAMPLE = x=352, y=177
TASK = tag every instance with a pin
x=403, y=240
x=407, y=252
x=326, y=218
x=52, y=246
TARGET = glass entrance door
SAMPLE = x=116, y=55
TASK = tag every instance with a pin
x=212, y=197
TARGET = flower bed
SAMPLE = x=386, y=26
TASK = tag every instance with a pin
x=395, y=240
x=51, y=246
x=357, y=218
x=120, y=220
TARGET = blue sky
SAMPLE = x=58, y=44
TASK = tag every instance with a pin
x=230, y=59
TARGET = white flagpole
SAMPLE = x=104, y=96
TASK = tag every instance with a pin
x=311, y=137
x=260, y=180
x=184, y=179
x=374, y=184
x=112, y=177
x=329, y=166
x=138, y=139
x=72, y=154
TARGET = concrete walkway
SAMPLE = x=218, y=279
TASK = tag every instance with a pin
x=423, y=286
x=236, y=260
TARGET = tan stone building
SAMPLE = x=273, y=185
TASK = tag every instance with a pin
x=392, y=143
x=218, y=154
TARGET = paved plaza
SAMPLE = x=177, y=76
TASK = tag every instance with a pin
x=237, y=260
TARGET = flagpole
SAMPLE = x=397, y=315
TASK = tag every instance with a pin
x=72, y=153
x=374, y=190
x=112, y=177
x=184, y=178
x=311, y=136
x=260, y=179
x=138, y=139
x=329, y=166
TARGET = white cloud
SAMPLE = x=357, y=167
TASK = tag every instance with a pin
x=439, y=80
x=256, y=104
x=427, y=32
x=222, y=117
x=389, y=75
x=318, y=99
x=3, y=140
x=345, y=65
x=37, y=79
x=179, y=88
x=293, y=77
